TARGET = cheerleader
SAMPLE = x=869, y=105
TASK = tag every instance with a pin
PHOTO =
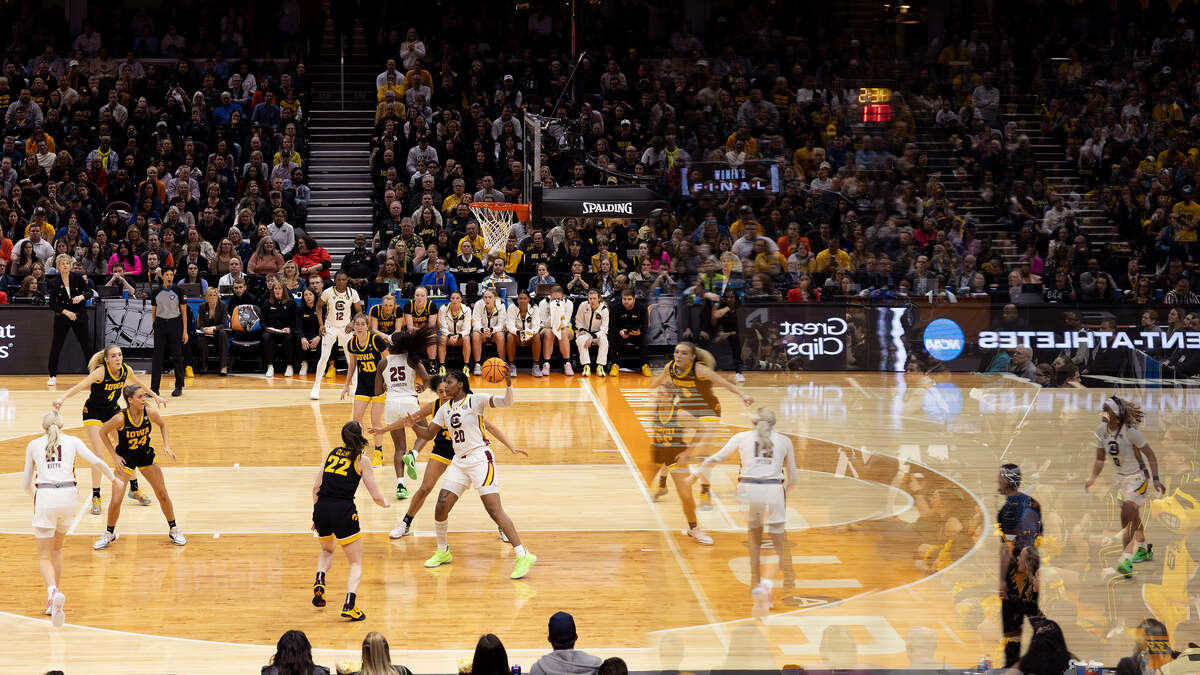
x=52, y=459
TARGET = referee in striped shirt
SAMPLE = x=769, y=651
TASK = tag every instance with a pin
x=170, y=329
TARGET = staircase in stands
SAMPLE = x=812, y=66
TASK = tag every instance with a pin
x=340, y=123
x=1061, y=176
x=961, y=193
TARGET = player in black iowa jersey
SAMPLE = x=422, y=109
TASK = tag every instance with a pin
x=416, y=316
x=133, y=451
x=335, y=518
x=691, y=374
x=107, y=376
x=1020, y=523
x=442, y=455
x=669, y=451
x=384, y=316
x=365, y=351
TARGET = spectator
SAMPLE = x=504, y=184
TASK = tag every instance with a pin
x=565, y=659
x=281, y=323
x=282, y=232
x=311, y=258
x=490, y=657
x=266, y=259
x=440, y=281
x=293, y=656
x=1022, y=364
x=359, y=264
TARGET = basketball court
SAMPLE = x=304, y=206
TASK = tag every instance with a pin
x=891, y=528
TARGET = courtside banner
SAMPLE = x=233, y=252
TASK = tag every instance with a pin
x=25, y=341
x=804, y=337
x=958, y=338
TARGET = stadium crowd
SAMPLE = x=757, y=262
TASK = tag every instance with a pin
x=190, y=152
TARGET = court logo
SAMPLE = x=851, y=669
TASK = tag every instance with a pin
x=943, y=339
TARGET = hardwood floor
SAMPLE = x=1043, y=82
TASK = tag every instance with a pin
x=890, y=528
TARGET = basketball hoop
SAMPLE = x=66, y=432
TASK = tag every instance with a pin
x=495, y=220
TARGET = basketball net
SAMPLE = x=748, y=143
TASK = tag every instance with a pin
x=494, y=224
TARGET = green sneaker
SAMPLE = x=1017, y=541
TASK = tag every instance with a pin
x=401, y=491
x=410, y=463
x=1125, y=569
x=1143, y=554
x=441, y=557
x=522, y=567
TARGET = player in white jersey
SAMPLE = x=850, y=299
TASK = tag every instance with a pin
x=473, y=465
x=489, y=323
x=397, y=375
x=1119, y=439
x=765, y=455
x=524, y=330
x=52, y=459
x=454, y=329
x=557, y=312
x=336, y=307
x=591, y=328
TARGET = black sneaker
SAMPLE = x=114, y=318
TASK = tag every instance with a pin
x=318, y=594
x=178, y=392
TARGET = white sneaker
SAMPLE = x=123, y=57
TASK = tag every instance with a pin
x=546, y=369
x=536, y=371
x=303, y=369
x=400, y=531
x=503, y=537
x=478, y=369
x=50, y=382
x=57, y=615
x=739, y=378
x=177, y=536
x=700, y=535
x=512, y=368
x=315, y=394
x=270, y=371
x=567, y=369
x=289, y=372
x=50, y=598
x=105, y=539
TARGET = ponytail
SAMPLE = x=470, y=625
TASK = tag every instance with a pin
x=353, y=440
x=764, y=424
x=52, y=423
x=98, y=358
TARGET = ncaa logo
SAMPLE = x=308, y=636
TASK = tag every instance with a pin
x=943, y=339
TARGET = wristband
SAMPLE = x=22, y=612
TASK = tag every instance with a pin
x=1156, y=478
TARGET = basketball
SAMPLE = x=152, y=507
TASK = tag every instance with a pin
x=494, y=370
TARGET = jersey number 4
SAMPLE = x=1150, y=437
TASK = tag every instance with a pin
x=396, y=374
x=1113, y=450
x=337, y=465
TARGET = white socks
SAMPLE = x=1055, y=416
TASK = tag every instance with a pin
x=440, y=527
x=1126, y=556
x=520, y=551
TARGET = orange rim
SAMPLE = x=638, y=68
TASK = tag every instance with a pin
x=521, y=210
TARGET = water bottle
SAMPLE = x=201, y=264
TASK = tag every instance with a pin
x=983, y=665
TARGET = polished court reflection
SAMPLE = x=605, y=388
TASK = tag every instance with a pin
x=890, y=529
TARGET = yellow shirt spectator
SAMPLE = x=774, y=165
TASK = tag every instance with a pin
x=739, y=226
x=512, y=260
x=477, y=242
x=382, y=92
x=294, y=159
x=764, y=260
x=827, y=261
x=452, y=201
